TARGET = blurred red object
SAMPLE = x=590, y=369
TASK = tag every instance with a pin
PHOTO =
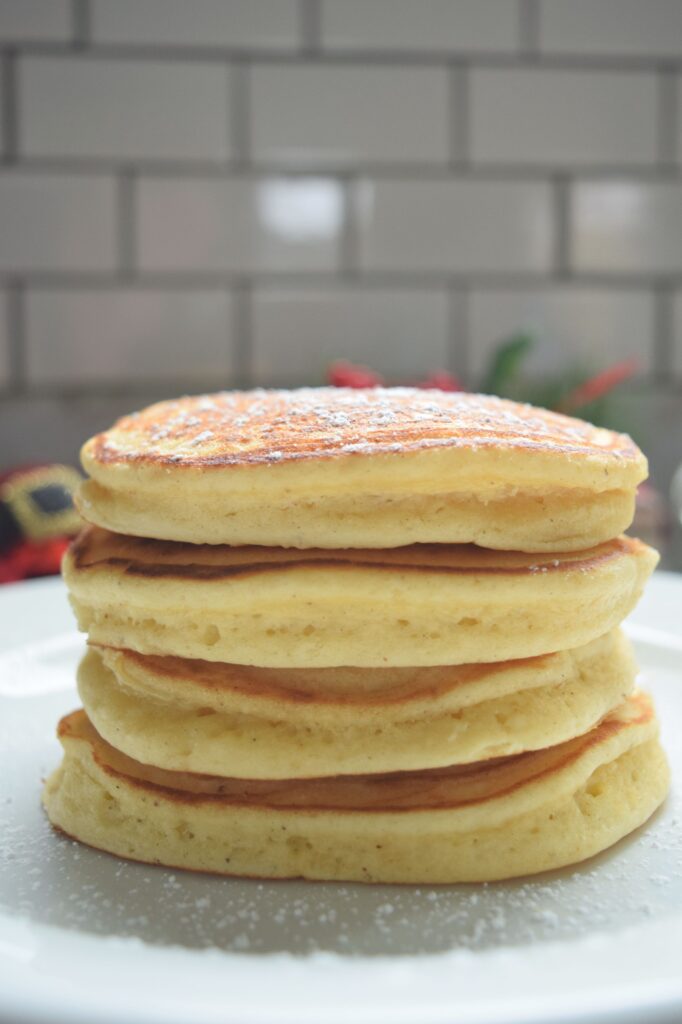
x=441, y=380
x=37, y=520
x=350, y=375
x=30, y=559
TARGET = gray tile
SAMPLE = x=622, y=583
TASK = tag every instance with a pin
x=233, y=24
x=123, y=110
x=317, y=115
x=35, y=20
x=438, y=25
x=627, y=226
x=563, y=117
x=56, y=222
x=128, y=336
x=269, y=224
x=622, y=27
x=572, y=326
x=298, y=333
x=455, y=226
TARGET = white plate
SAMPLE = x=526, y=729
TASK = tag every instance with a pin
x=87, y=938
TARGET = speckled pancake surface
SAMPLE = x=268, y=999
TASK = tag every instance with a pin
x=335, y=468
x=413, y=606
x=255, y=723
x=494, y=820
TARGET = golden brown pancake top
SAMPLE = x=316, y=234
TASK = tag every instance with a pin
x=459, y=786
x=143, y=556
x=255, y=427
x=340, y=686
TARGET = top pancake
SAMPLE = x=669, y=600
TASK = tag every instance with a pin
x=334, y=467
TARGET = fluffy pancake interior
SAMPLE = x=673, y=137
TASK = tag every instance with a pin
x=419, y=605
x=529, y=813
x=259, y=723
x=562, y=519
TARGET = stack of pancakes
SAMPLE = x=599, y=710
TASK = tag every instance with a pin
x=365, y=635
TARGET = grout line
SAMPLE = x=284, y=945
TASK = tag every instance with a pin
x=561, y=202
x=663, y=333
x=460, y=121
x=458, y=314
x=153, y=389
x=16, y=335
x=529, y=29
x=311, y=25
x=363, y=277
x=240, y=114
x=423, y=172
x=217, y=54
x=667, y=119
x=82, y=24
x=126, y=198
x=10, y=108
x=242, y=327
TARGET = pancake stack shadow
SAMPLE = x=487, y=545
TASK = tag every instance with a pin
x=357, y=635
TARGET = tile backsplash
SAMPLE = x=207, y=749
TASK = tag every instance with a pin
x=236, y=192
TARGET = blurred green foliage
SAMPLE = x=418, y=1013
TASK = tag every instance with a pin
x=505, y=376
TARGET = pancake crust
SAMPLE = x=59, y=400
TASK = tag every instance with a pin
x=337, y=468
x=494, y=820
x=232, y=720
x=413, y=606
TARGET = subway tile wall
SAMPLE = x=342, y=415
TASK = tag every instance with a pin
x=236, y=192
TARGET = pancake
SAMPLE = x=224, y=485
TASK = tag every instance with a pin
x=414, y=606
x=255, y=723
x=499, y=819
x=380, y=468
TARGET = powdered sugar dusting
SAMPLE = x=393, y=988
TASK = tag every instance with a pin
x=205, y=435
x=232, y=428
